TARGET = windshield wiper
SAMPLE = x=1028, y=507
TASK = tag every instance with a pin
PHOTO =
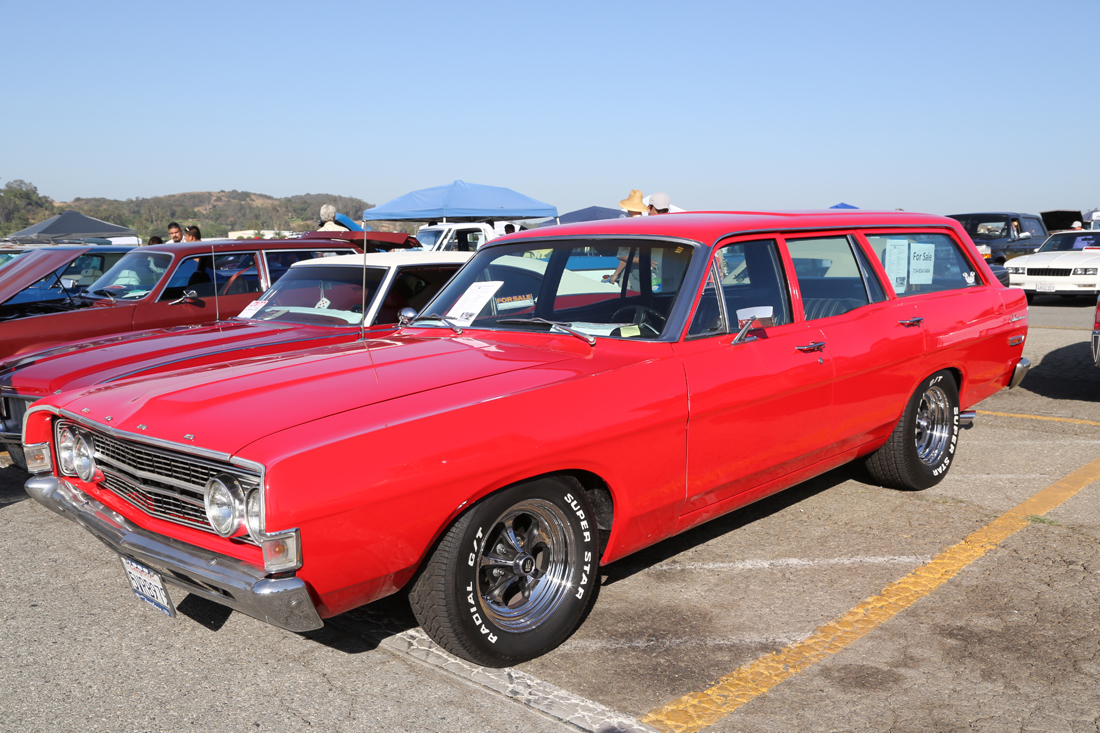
x=441, y=319
x=565, y=327
x=104, y=291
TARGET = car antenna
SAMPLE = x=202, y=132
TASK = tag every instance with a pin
x=214, y=279
x=363, y=292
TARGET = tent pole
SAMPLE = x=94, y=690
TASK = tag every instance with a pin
x=363, y=294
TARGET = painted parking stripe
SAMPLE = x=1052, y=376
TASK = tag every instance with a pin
x=1039, y=417
x=698, y=710
x=792, y=562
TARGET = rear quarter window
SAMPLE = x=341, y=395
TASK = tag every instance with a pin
x=918, y=263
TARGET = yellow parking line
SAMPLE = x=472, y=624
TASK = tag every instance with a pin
x=1038, y=417
x=698, y=710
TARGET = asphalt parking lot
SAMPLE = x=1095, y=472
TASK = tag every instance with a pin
x=980, y=618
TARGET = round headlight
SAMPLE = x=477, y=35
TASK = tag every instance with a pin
x=224, y=504
x=83, y=459
x=253, y=515
x=66, y=451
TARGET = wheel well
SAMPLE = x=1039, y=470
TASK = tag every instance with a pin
x=957, y=374
x=599, y=496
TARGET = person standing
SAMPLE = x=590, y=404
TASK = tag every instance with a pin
x=175, y=232
x=633, y=203
x=659, y=203
x=193, y=234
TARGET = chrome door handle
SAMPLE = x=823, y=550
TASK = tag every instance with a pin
x=812, y=346
x=912, y=321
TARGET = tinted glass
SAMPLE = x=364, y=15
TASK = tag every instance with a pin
x=708, y=318
x=279, y=261
x=133, y=276
x=225, y=274
x=325, y=296
x=1033, y=227
x=1069, y=241
x=505, y=287
x=828, y=276
x=923, y=263
x=412, y=288
x=984, y=227
x=875, y=290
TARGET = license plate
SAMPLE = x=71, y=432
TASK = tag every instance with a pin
x=148, y=586
x=1045, y=287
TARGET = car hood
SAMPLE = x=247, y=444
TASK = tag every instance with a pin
x=227, y=406
x=82, y=364
x=1076, y=258
x=28, y=269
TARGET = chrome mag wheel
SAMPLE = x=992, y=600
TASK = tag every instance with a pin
x=525, y=565
x=934, y=421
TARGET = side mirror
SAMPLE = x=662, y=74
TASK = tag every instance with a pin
x=189, y=296
x=405, y=316
x=1025, y=235
x=68, y=283
x=761, y=316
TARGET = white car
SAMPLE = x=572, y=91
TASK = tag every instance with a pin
x=1068, y=264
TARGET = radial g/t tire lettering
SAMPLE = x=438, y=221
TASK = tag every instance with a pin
x=922, y=446
x=513, y=576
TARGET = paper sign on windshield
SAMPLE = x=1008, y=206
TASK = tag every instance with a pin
x=897, y=263
x=472, y=301
x=251, y=308
x=922, y=260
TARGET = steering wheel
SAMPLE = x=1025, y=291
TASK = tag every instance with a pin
x=641, y=317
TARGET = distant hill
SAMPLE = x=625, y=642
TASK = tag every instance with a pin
x=216, y=213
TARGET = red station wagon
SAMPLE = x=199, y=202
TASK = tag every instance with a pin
x=151, y=287
x=537, y=421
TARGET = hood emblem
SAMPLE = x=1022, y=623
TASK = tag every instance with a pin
x=108, y=418
x=85, y=410
x=189, y=436
x=142, y=427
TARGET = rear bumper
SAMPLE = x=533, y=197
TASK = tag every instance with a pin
x=282, y=602
x=1019, y=372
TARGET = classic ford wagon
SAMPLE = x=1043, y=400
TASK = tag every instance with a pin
x=538, y=420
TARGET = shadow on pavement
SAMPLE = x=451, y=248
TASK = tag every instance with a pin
x=663, y=551
x=1067, y=373
x=11, y=482
x=363, y=629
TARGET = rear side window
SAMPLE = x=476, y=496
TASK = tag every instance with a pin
x=279, y=261
x=829, y=276
x=919, y=263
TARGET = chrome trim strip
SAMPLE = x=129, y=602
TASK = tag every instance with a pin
x=153, y=489
x=281, y=602
x=11, y=438
x=1019, y=373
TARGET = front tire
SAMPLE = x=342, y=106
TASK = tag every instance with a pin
x=922, y=446
x=512, y=578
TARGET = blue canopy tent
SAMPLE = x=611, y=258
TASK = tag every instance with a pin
x=592, y=213
x=843, y=205
x=461, y=201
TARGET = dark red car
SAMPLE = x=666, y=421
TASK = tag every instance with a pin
x=153, y=287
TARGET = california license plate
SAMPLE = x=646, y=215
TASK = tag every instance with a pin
x=148, y=586
x=1045, y=287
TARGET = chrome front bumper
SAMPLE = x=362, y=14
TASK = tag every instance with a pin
x=282, y=602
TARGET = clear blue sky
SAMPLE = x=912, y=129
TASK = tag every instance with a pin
x=930, y=106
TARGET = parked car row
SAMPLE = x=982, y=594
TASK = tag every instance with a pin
x=487, y=440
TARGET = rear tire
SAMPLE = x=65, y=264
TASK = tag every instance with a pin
x=922, y=446
x=1030, y=297
x=513, y=577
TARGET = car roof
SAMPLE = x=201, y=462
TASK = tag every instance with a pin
x=390, y=259
x=994, y=213
x=242, y=245
x=710, y=226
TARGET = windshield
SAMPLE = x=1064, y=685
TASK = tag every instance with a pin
x=984, y=226
x=132, y=277
x=1069, y=241
x=621, y=289
x=428, y=238
x=320, y=295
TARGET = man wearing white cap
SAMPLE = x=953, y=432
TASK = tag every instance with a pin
x=659, y=203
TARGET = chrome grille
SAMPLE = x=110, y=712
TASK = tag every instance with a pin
x=1048, y=271
x=165, y=484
